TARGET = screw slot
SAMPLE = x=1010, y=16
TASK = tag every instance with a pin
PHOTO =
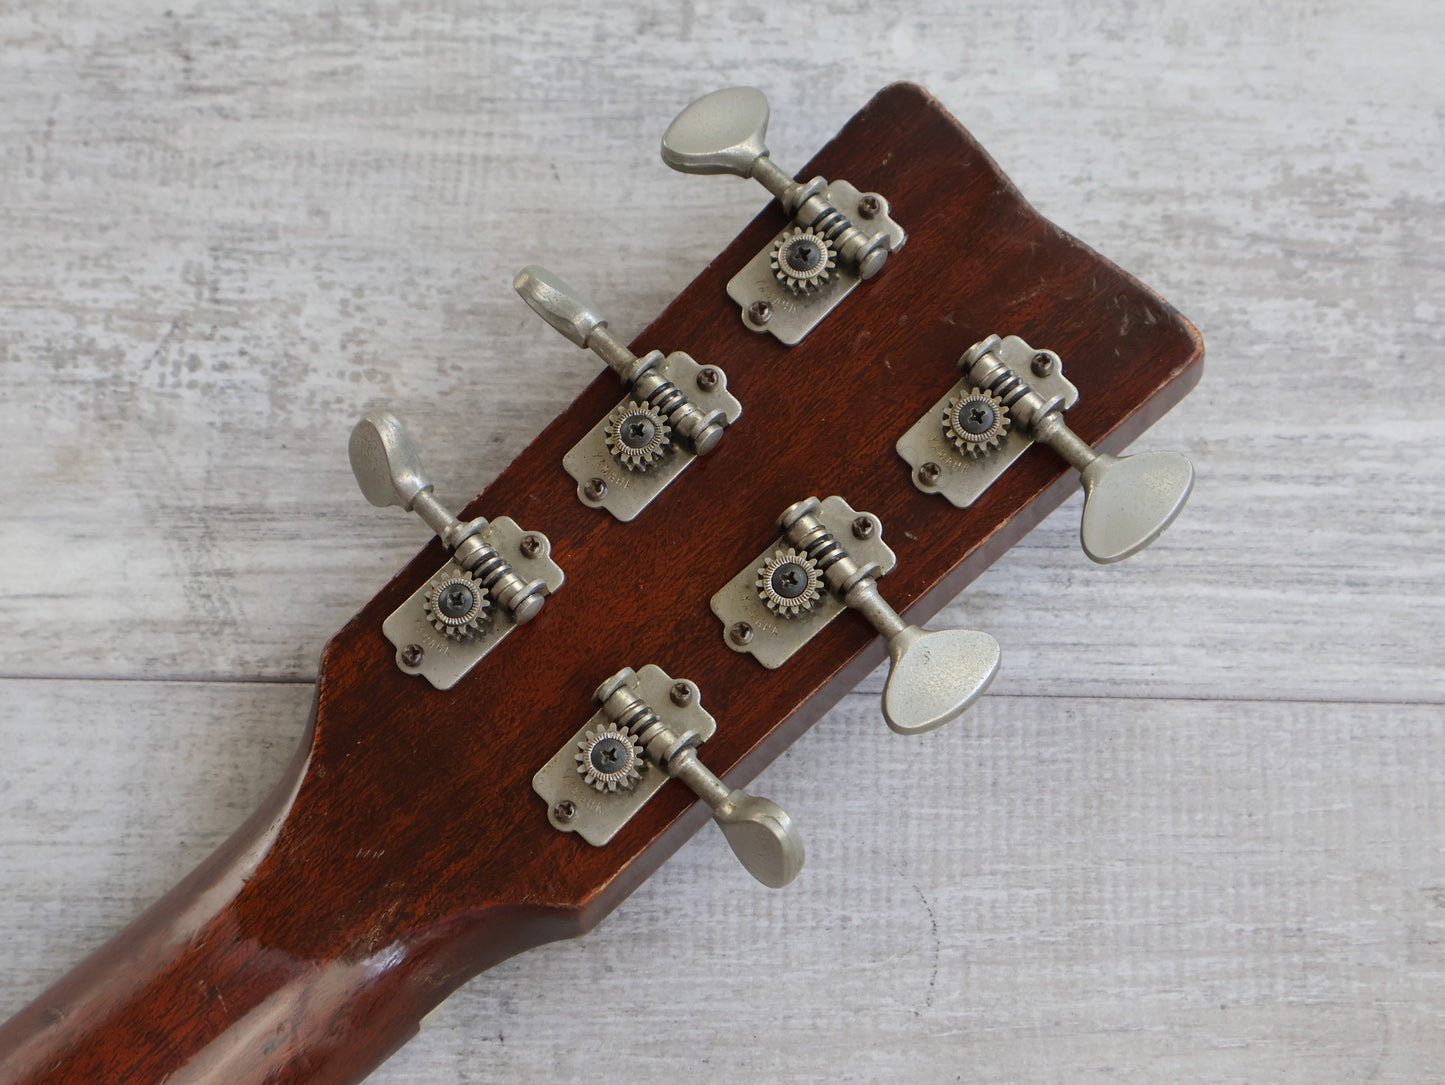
x=862, y=528
x=929, y=473
x=760, y=312
x=565, y=811
x=868, y=207
x=681, y=694
x=595, y=489
x=1042, y=365
x=707, y=378
x=741, y=634
x=530, y=546
x=412, y=655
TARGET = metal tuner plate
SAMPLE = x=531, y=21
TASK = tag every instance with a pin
x=960, y=477
x=750, y=627
x=444, y=660
x=791, y=315
x=625, y=493
x=573, y=805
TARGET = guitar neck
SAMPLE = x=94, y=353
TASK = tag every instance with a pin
x=406, y=850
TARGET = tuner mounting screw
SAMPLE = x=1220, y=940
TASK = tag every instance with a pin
x=862, y=528
x=929, y=473
x=595, y=489
x=707, y=378
x=741, y=633
x=868, y=207
x=565, y=811
x=681, y=694
x=530, y=546
x=412, y=655
x=1042, y=365
x=760, y=312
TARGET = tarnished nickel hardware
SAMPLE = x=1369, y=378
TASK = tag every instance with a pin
x=624, y=754
x=676, y=409
x=498, y=577
x=808, y=577
x=1012, y=395
x=839, y=236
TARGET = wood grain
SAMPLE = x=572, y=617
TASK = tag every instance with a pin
x=323, y=210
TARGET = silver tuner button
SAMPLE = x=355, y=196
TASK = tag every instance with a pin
x=934, y=676
x=385, y=461
x=721, y=132
x=675, y=410
x=758, y=830
x=1130, y=500
x=558, y=304
x=389, y=471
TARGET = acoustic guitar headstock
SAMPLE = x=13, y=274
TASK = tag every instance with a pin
x=879, y=387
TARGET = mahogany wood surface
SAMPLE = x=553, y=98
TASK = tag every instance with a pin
x=406, y=850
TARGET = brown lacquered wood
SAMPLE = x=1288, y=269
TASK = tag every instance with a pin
x=406, y=850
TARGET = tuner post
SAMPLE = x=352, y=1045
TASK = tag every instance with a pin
x=646, y=731
x=388, y=468
x=726, y=132
x=1129, y=501
x=933, y=676
x=759, y=832
x=498, y=577
x=838, y=238
x=675, y=410
x=563, y=308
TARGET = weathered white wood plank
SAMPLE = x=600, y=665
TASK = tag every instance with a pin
x=225, y=230
x=1053, y=889
x=227, y=235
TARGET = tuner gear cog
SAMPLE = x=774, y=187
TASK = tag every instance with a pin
x=608, y=759
x=802, y=259
x=975, y=421
x=789, y=583
x=457, y=606
x=638, y=435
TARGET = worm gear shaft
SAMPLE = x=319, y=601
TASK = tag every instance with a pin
x=789, y=583
x=457, y=606
x=638, y=435
x=609, y=759
x=803, y=259
x=975, y=421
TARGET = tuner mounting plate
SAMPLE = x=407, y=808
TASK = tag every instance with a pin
x=773, y=639
x=597, y=816
x=961, y=478
x=792, y=316
x=626, y=493
x=443, y=660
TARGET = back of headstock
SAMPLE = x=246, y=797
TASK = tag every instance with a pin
x=821, y=418
x=409, y=850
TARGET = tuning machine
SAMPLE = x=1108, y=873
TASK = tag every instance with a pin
x=839, y=237
x=623, y=755
x=676, y=409
x=807, y=577
x=1012, y=395
x=497, y=579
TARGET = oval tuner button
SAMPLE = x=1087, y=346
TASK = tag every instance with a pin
x=721, y=132
x=1130, y=500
